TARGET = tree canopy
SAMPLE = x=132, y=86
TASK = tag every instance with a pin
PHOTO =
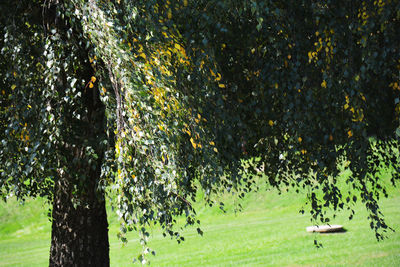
x=165, y=98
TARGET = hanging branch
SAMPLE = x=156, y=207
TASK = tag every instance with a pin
x=120, y=119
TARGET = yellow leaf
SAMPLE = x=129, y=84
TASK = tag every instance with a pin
x=271, y=123
x=215, y=150
x=13, y=86
x=91, y=85
x=276, y=85
x=221, y=85
x=29, y=106
x=185, y=2
x=346, y=106
x=3, y=92
x=303, y=151
x=212, y=143
x=349, y=133
x=300, y=139
x=323, y=84
x=93, y=79
x=193, y=143
x=165, y=34
x=143, y=55
x=177, y=46
x=169, y=14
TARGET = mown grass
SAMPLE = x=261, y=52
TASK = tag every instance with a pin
x=268, y=232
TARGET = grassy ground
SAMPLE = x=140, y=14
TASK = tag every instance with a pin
x=269, y=232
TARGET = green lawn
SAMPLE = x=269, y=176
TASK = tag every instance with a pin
x=268, y=232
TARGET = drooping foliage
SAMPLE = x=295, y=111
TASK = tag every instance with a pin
x=191, y=90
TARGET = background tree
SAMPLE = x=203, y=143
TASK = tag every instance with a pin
x=155, y=100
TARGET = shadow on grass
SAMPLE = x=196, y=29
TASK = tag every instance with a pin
x=338, y=231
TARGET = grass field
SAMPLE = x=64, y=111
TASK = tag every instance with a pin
x=268, y=232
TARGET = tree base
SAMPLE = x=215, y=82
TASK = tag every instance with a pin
x=80, y=233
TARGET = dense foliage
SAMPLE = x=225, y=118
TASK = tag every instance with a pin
x=190, y=90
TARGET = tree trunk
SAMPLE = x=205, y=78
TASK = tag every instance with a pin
x=79, y=234
x=79, y=218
